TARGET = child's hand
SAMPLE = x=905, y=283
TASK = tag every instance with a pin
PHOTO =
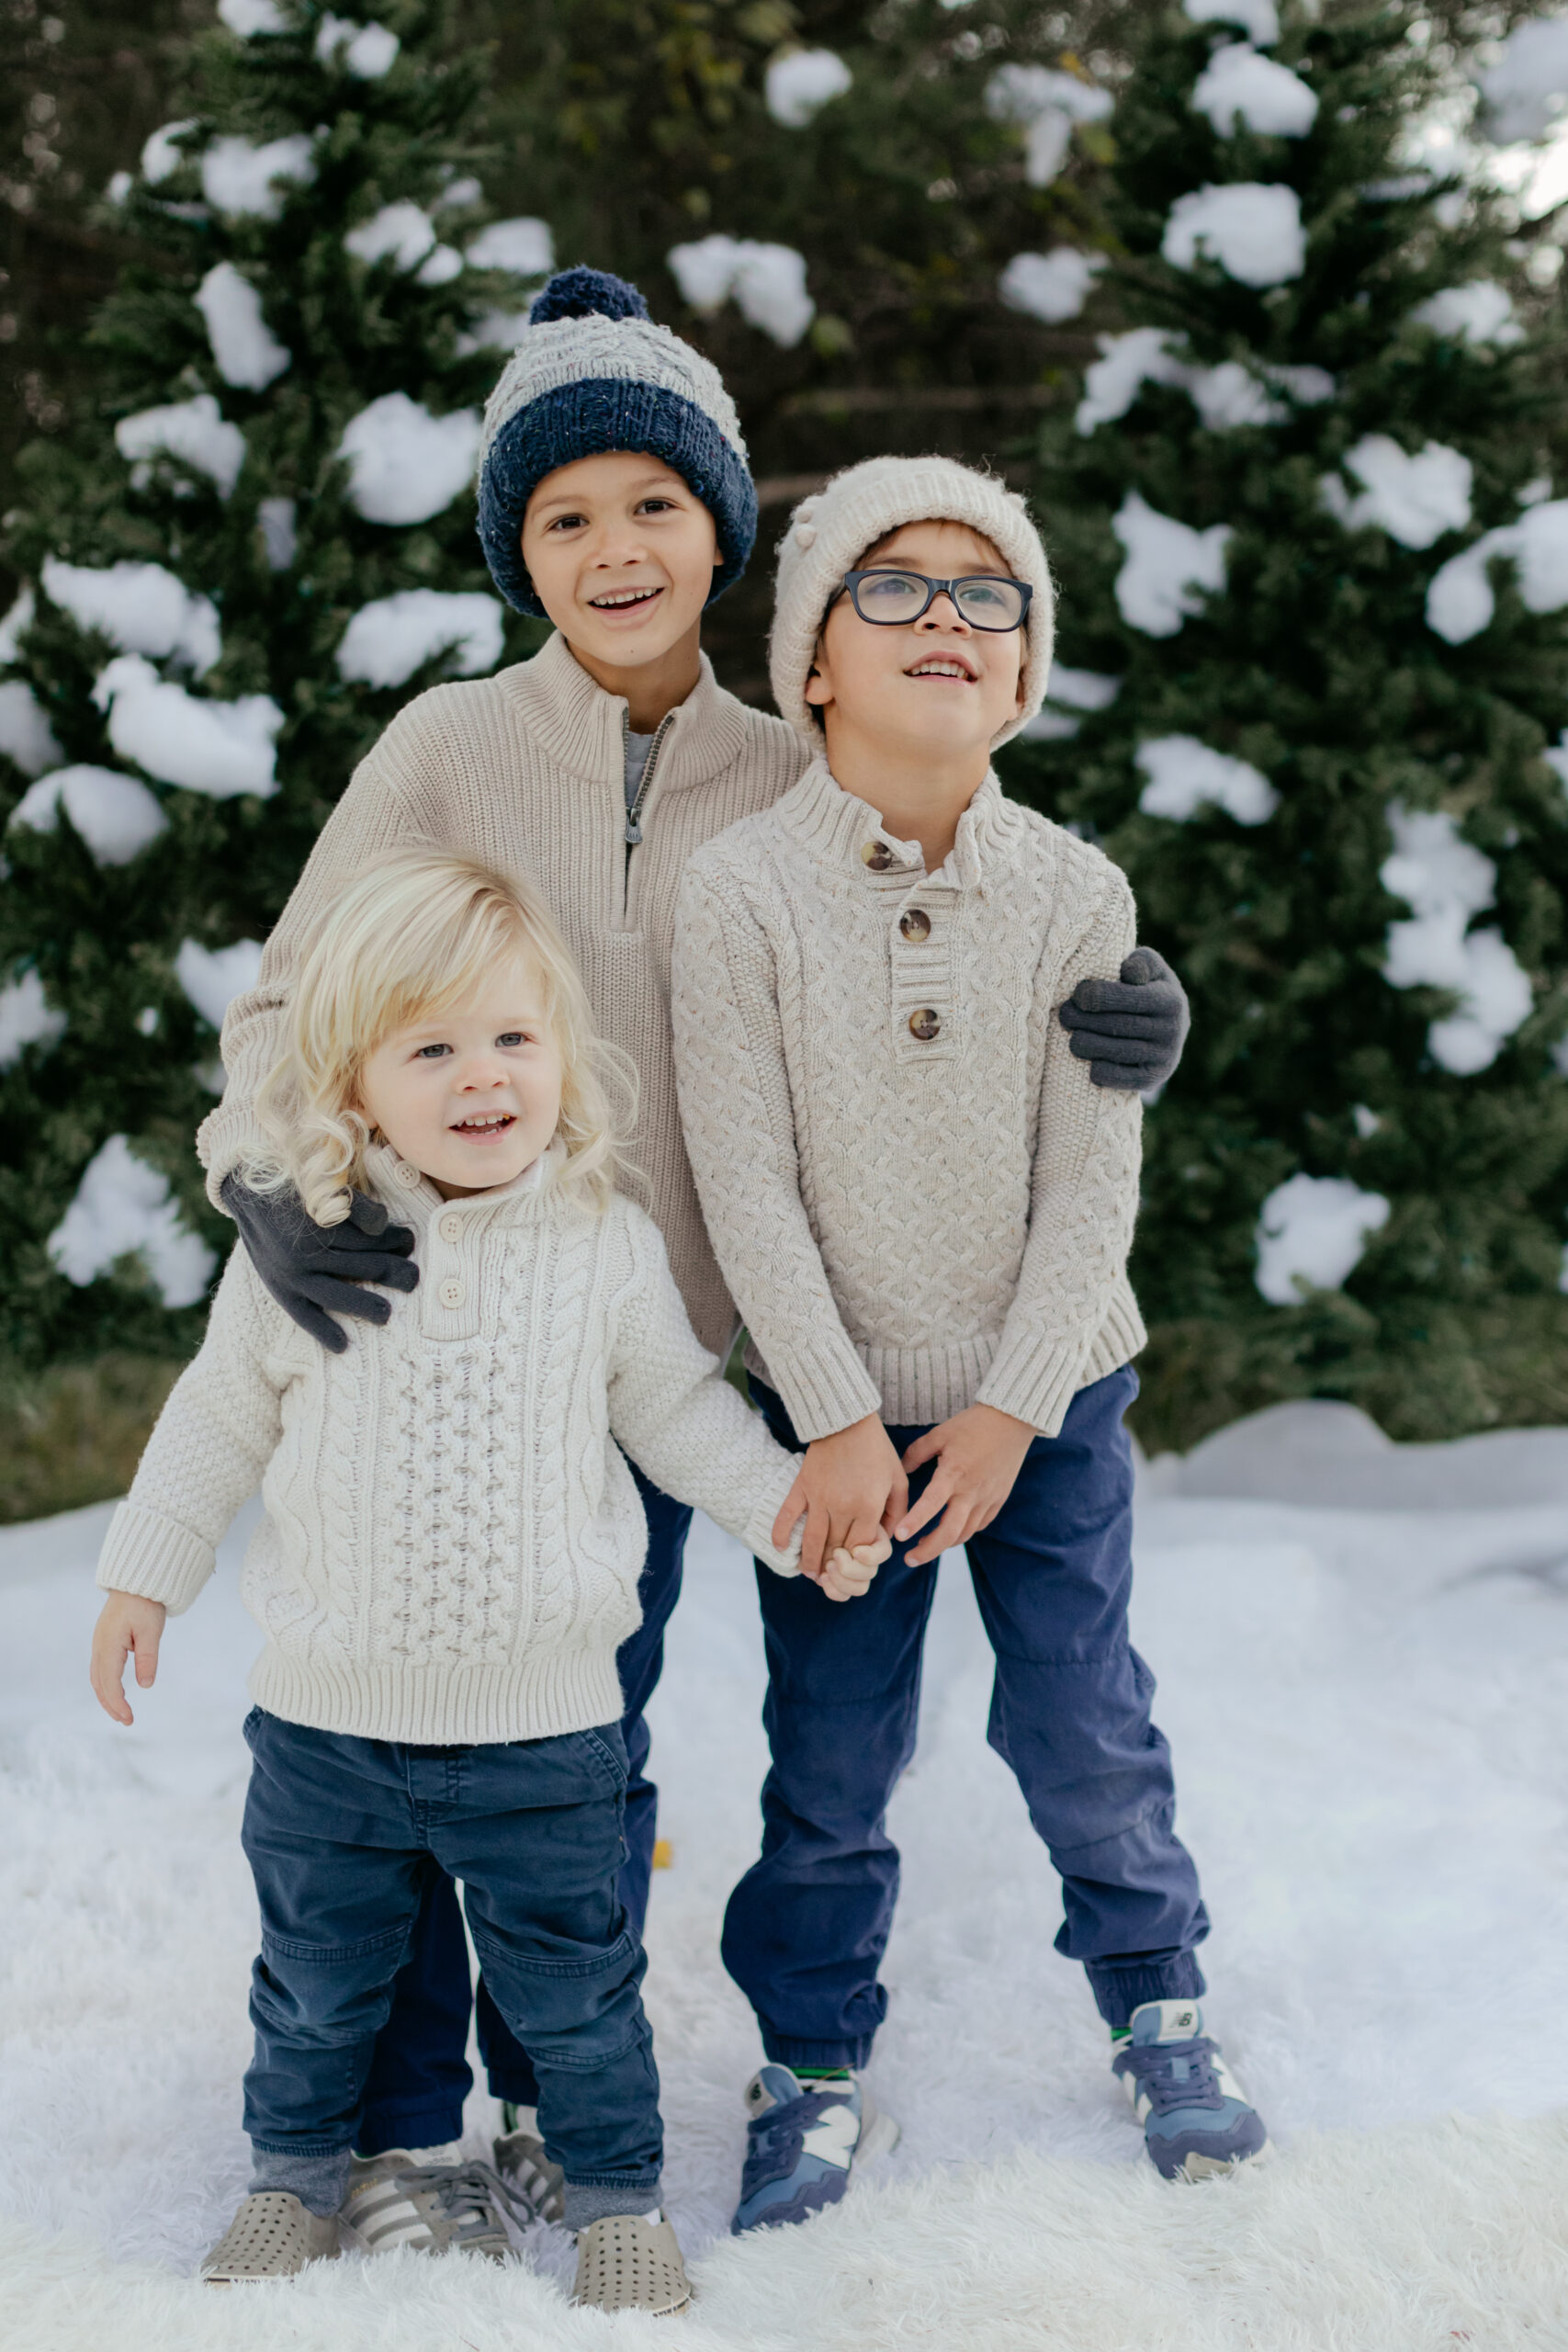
x=979, y=1455
x=127, y=1626
x=846, y=1576
x=847, y=1488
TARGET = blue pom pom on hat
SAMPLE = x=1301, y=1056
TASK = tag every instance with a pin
x=592, y=373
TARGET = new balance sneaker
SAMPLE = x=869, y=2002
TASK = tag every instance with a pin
x=1196, y=2117
x=270, y=2237
x=803, y=2141
x=427, y=2200
x=631, y=2262
x=520, y=2159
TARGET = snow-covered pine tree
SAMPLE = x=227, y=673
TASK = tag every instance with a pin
x=260, y=545
x=1314, y=618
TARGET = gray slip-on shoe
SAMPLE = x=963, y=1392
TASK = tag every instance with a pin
x=271, y=2236
x=626, y=2263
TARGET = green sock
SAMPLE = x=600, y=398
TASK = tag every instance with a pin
x=1121, y=2034
x=822, y=2074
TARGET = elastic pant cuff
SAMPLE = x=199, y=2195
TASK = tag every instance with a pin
x=784, y=2051
x=1120, y=1988
x=516, y=2089
x=414, y=2127
x=593, y=2201
x=321, y=2183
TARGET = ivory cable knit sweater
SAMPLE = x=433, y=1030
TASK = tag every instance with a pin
x=451, y=1541
x=919, y=1197
x=527, y=771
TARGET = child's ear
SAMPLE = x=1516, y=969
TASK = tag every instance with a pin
x=817, y=689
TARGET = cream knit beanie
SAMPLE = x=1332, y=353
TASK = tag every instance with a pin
x=829, y=533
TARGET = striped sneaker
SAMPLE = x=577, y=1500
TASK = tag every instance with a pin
x=1196, y=2117
x=520, y=2159
x=427, y=2200
x=803, y=2141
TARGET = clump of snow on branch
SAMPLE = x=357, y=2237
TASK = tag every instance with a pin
x=1045, y=105
x=1258, y=19
x=248, y=17
x=26, y=1018
x=1071, y=690
x=218, y=748
x=1480, y=313
x=1227, y=396
x=1459, y=599
x=246, y=181
x=122, y=1208
x=464, y=190
x=1414, y=498
x=768, y=283
x=525, y=246
x=280, y=538
x=17, y=621
x=246, y=351
x=404, y=464
x=193, y=431
x=401, y=233
x=114, y=814
x=1053, y=285
x=367, y=51
x=1185, y=775
x=26, y=735
x=1169, y=567
x=1523, y=93
x=798, y=86
x=1252, y=229
x=1445, y=880
x=1313, y=1231
x=161, y=155
x=213, y=976
x=492, y=331
x=387, y=641
x=140, y=607
x=1237, y=86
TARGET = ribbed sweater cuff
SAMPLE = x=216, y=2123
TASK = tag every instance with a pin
x=1035, y=1374
x=155, y=1557
x=760, y=1533
x=825, y=1391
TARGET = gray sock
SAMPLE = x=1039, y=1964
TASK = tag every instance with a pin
x=321, y=2183
x=589, y=2202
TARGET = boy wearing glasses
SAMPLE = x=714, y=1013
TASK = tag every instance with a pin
x=923, y=1208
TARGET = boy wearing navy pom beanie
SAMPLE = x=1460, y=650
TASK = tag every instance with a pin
x=614, y=498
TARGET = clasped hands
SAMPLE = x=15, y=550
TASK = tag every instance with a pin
x=852, y=1490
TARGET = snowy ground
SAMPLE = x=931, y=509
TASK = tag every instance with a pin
x=1367, y=1707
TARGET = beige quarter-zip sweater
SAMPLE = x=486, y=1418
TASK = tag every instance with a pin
x=920, y=1198
x=451, y=1540
x=527, y=770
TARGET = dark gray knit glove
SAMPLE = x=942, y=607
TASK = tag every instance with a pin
x=1130, y=1031
x=310, y=1267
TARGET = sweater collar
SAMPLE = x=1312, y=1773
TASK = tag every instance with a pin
x=847, y=832
x=584, y=728
x=414, y=1200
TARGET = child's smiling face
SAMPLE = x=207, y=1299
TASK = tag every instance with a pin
x=473, y=1097
x=622, y=555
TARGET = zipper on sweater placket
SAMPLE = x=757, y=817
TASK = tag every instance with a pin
x=644, y=783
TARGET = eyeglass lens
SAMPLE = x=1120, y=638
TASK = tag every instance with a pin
x=892, y=597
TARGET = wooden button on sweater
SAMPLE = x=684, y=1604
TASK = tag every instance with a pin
x=878, y=856
x=916, y=924
x=925, y=1024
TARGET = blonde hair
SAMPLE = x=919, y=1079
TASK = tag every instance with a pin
x=411, y=939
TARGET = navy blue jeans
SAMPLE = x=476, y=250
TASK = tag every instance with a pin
x=339, y=1833
x=420, y=2075
x=805, y=1928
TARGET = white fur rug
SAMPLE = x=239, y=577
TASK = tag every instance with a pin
x=1367, y=1710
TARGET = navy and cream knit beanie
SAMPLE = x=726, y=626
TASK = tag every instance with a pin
x=592, y=373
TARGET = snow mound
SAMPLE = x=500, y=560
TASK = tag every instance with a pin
x=248, y=17
x=247, y=353
x=1053, y=285
x=218, y=748
x=1237, y=86
x=404, y=464
x=246, y=181
x=213, y=976
x=1523, y=93
x=138, y=606
x=367, y=51
x=280, y=538
x=1414, y=498
x=1446, y=880
x=1481, y=311
x=387, y=641
x=768, y=283
x=1315, y=1451
x=525, y=246
x=1185, y=775
x=401, y=233
x=162, y=156
x=123, y=1206
x=195, y=433
x=1258, y=19
x=114, y=814
x=1168, y=566
x=1045, y=105
x=26, y=735
x=26, y=1018
x=1314, y=1230
x=1252, y=229
x=1459, y=599
x=798, y=86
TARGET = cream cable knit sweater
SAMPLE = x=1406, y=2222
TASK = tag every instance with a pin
x=919, y=1197
x=451, y=1540
x=527, y=771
